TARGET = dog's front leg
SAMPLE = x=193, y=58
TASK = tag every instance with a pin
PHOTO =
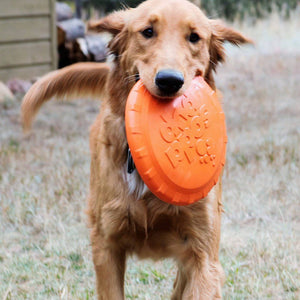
x=109, y=265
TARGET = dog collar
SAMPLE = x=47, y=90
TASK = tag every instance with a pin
x=130, y=162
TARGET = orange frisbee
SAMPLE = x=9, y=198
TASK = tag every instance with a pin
x=178, y=146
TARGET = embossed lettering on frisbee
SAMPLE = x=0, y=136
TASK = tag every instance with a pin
x=178, y=146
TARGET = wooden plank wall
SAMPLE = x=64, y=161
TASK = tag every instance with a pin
x=27, y=38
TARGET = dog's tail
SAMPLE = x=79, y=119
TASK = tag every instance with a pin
x=78, y=80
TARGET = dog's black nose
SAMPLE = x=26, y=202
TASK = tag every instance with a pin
x=169, y=81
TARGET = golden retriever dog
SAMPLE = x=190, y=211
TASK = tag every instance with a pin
x=165, y=44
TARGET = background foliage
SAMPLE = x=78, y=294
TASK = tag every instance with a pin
x=229, y=9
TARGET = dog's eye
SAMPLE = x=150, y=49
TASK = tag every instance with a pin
x=194, y=37
x=148, y=33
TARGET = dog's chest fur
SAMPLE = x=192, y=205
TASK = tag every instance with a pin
x=144, y=225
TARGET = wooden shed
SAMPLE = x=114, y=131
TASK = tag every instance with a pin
x=27, y=38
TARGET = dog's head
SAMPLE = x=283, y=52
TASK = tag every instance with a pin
x=166, y=44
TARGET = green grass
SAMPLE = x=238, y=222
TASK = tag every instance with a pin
x=45, y=251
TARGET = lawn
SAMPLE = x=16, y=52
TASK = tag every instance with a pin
x=45, y=251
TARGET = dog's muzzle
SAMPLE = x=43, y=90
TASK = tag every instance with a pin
x=169, y=81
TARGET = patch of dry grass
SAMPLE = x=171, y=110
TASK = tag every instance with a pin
x=44, y=245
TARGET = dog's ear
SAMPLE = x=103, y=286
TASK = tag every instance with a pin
x=112, y=23
x=223, y=33
x=220, y=34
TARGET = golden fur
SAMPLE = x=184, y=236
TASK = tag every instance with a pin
x=125, y=217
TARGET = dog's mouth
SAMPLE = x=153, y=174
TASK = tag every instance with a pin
x=158, y=93
x=166, y=97
x=160, y=96
x=168, y=84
